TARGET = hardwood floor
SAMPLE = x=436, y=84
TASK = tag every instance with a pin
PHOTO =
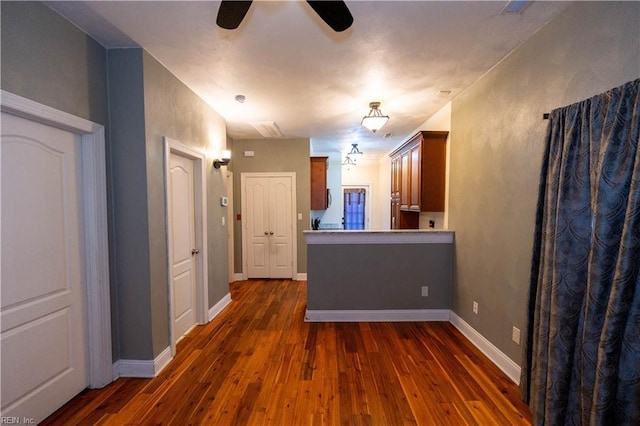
x=259, y=363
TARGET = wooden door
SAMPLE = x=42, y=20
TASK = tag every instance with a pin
x=43, y=309
x=405, y=180
x=184, y=252
x=319, y=193
x=395, y=192
x=415, y=183
x=268, y=227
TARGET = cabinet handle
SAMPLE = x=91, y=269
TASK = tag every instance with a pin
x=271, y=233
x=266, y=233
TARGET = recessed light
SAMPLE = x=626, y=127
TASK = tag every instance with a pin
x=241, y=98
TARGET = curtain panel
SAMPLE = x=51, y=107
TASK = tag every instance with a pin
x=581, y=353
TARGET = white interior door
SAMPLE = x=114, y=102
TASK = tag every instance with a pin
x=280, y=228
x=269, y=226
x=43, y=334
x=257, y=227
x=182, y=238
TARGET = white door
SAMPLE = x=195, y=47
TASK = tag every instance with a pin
x=43, y=334
x=269, y=227
x=182, y=238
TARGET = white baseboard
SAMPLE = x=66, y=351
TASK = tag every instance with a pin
x=386, y=315
x=219, y=307
x=142, y=368
x=496, y=356
x=237, y=277
x=301, y=277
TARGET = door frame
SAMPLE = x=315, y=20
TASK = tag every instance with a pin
x=368, y=201
x=172, y=146
x=230, y=245
x=96, y=239
x=294, y=227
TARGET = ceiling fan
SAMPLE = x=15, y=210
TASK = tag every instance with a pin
x=334, y=13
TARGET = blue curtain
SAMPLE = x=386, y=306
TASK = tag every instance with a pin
x=581, y=355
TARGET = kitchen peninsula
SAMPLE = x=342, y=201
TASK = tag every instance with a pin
x=379, y=275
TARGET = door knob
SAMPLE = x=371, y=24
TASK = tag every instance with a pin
x=194, y=252
x=271, y=233
x=266, y=233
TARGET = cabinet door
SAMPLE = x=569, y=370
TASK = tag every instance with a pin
x=415, y=181
x=434, y=153
x=405, y=180
x=319, y=195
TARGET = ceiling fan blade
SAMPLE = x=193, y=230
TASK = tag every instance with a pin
x=231, y=13
x=335, y=13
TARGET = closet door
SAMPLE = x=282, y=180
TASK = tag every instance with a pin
x=268, y=226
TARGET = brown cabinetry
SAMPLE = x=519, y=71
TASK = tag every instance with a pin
x=418, y=178
x=319, y=191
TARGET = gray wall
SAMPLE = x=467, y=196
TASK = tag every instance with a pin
x=147, y=103
x=48, y=60
x=497, y=141
x=379, y=276
x=130, y=275
x=274, y=155
x=173, y=110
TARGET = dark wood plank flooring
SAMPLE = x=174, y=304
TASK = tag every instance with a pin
x=259, y=363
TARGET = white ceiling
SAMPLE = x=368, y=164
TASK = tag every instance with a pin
x=313, y=82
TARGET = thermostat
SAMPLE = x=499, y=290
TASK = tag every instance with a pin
x=224, y=201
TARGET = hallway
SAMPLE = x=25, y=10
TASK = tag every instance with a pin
x=259, y=363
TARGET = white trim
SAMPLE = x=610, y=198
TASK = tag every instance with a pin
x=379, y=237
x=386, y=315
x=503, y=362
x=96, y=245
x=230, y=225
x=219, y=307
x=141, y=368
x=301, y=276
x=294, y=222
x=200, y=211
x=238, y=276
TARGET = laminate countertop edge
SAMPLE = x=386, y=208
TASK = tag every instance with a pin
x=400, y=236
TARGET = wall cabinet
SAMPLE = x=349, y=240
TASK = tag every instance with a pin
x=418, y=178
x=319, y=192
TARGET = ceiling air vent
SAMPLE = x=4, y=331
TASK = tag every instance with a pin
x=515, y=6
x=268, y=129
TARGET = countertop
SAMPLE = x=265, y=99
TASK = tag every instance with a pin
x=382, y=236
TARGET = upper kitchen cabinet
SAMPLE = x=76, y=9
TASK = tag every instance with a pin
x=420, y=180
x=319, y=191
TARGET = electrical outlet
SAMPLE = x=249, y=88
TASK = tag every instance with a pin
x=425, y=291
x=475, y=307
x=515, y=335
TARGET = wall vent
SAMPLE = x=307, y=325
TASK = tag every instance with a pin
x=515, y=6
x=268, y=129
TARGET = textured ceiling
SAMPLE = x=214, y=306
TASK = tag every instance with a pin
x=311, y=81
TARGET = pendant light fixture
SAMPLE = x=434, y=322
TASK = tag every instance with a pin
x=355, y=152
x=348, y=162
x=375, y=120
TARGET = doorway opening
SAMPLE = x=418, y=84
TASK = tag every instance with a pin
x=356, y=207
